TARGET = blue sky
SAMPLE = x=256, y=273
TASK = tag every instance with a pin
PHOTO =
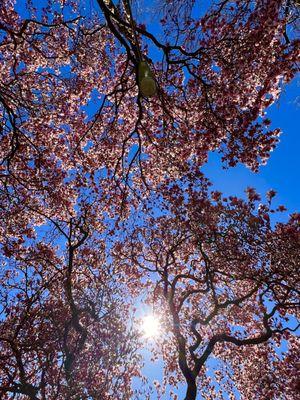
x=282, y=172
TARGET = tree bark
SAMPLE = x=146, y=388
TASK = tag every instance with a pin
x=191, y=392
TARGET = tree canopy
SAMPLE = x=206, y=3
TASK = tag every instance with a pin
x=107, y=119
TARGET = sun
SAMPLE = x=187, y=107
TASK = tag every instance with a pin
x=150, y=326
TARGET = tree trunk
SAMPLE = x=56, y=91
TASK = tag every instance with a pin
x=191, y=390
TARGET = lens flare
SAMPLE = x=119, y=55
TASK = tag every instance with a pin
x=150, y=326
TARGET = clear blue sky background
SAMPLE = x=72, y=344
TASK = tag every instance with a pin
x=282, y=172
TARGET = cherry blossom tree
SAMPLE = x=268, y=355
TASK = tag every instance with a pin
x=105, y=125
x=226, y=285
x=64, y=332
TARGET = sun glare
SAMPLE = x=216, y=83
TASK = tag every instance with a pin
x=150, y=326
